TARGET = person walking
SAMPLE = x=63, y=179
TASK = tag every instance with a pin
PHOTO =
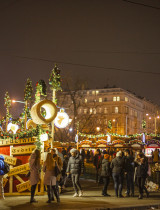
x=97, y=160
x=1, y=177
x=129, y=171
x=141, y=173
x=35, y=166
x=117, y=166
x=75, y=167
x=50, y=177
x=105, y=174
x=59, y=162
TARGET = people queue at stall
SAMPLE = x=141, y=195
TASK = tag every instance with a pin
x=58, y=166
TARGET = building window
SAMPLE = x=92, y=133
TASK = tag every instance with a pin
x=87, y=92
x=136, y=114
x=94, y=111
x=105, y=99
x=93, y=92
x=100, y=99
x=80, y=111
x=116, y=109
x=85, y=100
x=97, y=91
x=85, y=111
x=91, y=110
x=126, y=110
x=126, y=99
x=105, y=110
x=100, y=110
x=114, y=98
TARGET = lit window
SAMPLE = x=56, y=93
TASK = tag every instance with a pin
x=126, y=98
x=87, y=92
x=85, y=111
x=100, y=99
x=97, y=91
x=116, y=109
x=118, y=98
x=93, y=92
x=105, y=110
x=90, y=110
x=94, y=111
x=85, y=100
x=114, y=98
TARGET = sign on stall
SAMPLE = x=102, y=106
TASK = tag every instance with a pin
x=10, y=160
x=22, y=150
x=19, y=169
x=5, y=182
x=7, y=142
x=24, y=186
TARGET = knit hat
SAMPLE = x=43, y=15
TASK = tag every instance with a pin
x=106, y=156
x=73, y=150
x=119, y=154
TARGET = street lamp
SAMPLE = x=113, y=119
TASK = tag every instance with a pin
x=25, y=119
x=155, y=122
x=98, y=129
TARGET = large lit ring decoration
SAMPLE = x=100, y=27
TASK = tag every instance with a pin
x=51, y=112
x=12, y=127
x=62, y=119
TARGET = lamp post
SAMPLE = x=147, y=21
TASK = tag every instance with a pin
x=25, y=117
x=155, y=122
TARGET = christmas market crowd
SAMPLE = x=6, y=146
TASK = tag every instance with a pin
x=62, y=166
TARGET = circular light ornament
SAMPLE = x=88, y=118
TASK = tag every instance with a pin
x=50, y=109
x=12, y=127
x=44, y=137
x=62, y=119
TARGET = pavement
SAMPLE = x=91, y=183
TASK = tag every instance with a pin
x=91, y=200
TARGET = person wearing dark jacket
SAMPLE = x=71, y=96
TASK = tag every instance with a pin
x=141, y=173
x=1, y=177
x=75, y=167
x=117, y=166
x=105, y=174
x=129, y=170
x=97, y=160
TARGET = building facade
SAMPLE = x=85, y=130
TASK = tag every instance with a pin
x=94, y=108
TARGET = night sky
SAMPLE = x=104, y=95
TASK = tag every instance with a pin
x=103, y=42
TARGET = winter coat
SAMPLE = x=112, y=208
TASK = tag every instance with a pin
x=97, y=160
x=1, y=165
x=117, y=165
x=59, y=163
x=129, y=164
x=49, y=177
x=105, y=168
x=34, y=170
x=142, y=169
x=75, y=165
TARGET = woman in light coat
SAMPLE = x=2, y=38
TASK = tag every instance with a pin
x=49, y=177
x=34, y=164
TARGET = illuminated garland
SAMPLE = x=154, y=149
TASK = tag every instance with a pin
x=105, y=135
x=24, y=134
x=115, y=135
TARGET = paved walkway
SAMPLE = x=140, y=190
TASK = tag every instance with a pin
x=92, y=200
